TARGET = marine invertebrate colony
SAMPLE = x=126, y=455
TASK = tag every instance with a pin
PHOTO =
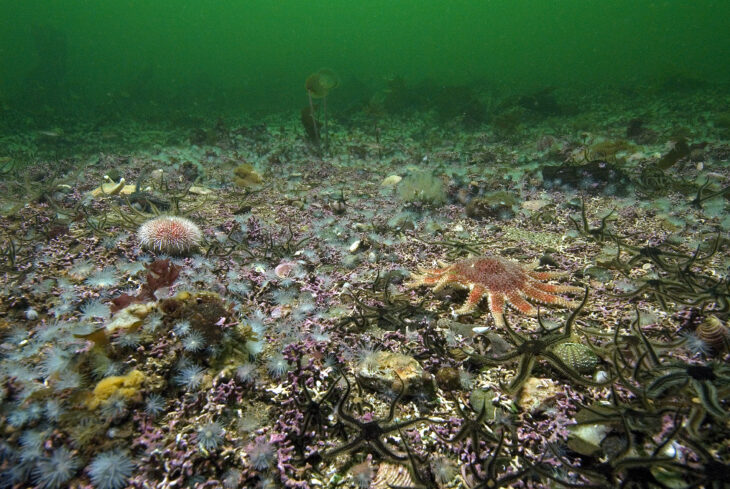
x=170, y=234
x=500, y=280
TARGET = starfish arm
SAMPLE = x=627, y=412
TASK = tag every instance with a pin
x=445, y=280
x=421, y=279
x=344, y=448
x=524, y=370
x=386, y=452
x=521, y=304
x=496, y=303
x=496, y=307
x=494, y=361
x=546, y=298
x=545, y=275
x=344, y=415
x=475, y=296
x=406, y=424
x=707, y=393
x=555, y=288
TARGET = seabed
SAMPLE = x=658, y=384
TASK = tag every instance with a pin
x=285, y=349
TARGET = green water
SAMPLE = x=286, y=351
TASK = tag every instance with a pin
x=79, y=56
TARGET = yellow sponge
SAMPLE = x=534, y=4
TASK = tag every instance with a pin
x=125, y=385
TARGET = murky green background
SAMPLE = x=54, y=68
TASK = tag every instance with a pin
x=77, y=56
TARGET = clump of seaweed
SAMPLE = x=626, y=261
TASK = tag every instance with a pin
x=423, y=188
x=246, y=176
x=318, y=85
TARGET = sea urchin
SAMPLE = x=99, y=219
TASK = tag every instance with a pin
x=170, y=234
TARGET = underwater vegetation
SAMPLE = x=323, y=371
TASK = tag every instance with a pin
x=318, y=85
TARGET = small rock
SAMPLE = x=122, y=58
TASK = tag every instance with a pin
x=539, y=394
x=381, y=370
x=355, y=246
x=586, y=439
x=131, y=317
x=197, y=190
x=128, y=190
x=447, y=378
x=535, y=205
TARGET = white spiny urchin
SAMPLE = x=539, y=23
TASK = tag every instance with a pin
x=170, y=234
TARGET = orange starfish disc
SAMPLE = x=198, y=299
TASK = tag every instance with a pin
x=502, y=281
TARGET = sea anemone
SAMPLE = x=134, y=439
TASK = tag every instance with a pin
x=443, y=469
x=190, y=376
x=81, y=269
x=31, y=314
x=232, y=479
x=254, y=348
x=103, y=366
x=54, y=361
x=110, y=470
x=368, y=357
x=55, y=471
x=152, y=322
x=22, y=414
x=68, y=379
x=466, y=379
x=31, y=443
x=261, y=453
x=181, y=328
x=54, y=409
x=103, y=279
x=246, y=373
x=210, y=436
x=94, y=309
x=696, y=345
x=318, y=334
x=362, y=474
x=193, y=342
x=115, y=408
x=277, y=365
x=63, y=306
x=284, y=297
x=154, y=405
x=132, y=268
x=239, y=287
x=128, y=339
